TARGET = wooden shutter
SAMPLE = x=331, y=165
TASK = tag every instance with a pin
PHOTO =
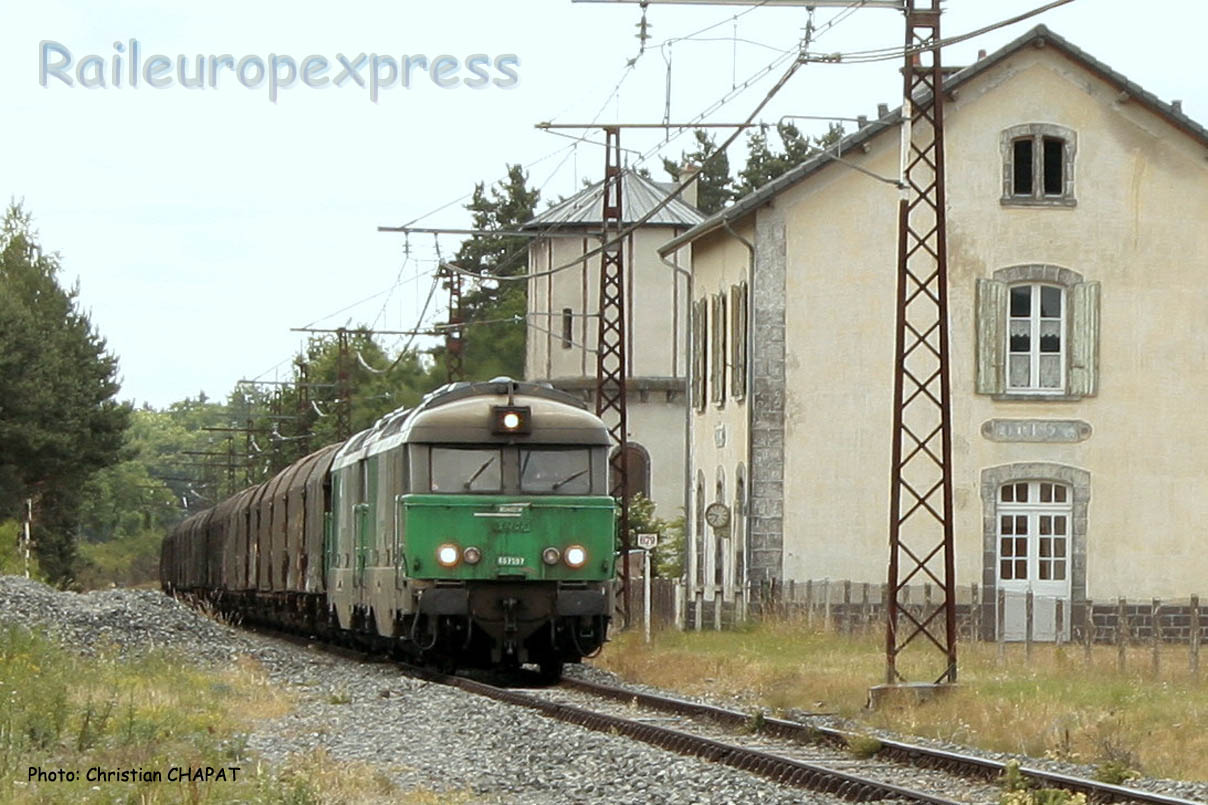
x=991, y=308
x=700, y=332
x=738, y=340
x=720, y=324
x=1084, y=339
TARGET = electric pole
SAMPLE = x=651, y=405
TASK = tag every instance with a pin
x=920, y=510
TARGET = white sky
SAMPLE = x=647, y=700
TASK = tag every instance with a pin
x=202, y=224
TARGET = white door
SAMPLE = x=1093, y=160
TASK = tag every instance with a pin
x=1033, y=554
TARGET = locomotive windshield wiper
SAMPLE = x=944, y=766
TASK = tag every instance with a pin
x=470, y=481
x=569, y=478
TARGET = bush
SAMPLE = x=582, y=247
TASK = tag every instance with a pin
x=123, y=562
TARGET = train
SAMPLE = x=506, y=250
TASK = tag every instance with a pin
x=474, y=530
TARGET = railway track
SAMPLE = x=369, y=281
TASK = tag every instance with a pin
x=811, y=757
x=811, y=773
x=968, y=767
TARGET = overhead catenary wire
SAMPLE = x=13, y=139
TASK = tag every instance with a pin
x=899, y=52
x=801, y=60
x=570, y=151
x=662, y=203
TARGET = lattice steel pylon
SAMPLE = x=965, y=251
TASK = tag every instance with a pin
x=611, y=348
x=455, y=335
x=920, y=516
x=343, y=387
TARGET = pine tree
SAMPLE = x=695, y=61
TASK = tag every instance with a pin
x=764, y=164
x=59, y=421
x=494, y=311
x=715, y=187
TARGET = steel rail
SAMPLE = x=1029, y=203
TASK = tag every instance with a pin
x=912, y=754
x=782, y=770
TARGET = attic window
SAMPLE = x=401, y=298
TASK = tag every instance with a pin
x=1038, y=165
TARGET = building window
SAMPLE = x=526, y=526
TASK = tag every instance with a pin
x=637, y=470
x=1034, y=535
x=1038, y=165
x=1034, y=538
x=1037, y=333
x=738, y=340
x=568, y=328
x=1036, y=338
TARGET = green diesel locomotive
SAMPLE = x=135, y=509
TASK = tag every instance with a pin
x=474, y=530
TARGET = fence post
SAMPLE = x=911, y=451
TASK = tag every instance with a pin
x=809, y=602
x=1156, y=633
x=1027, y=638
x=1121, y=632
x=865, y=608
x=926, y=610
x=847, y=606
x=1088, y=626
x=718, y=596
x=698, y=595
x=1195, y=635
x=826, y=611
x=1060, y=618
x=974, y=613
x=1001, y=622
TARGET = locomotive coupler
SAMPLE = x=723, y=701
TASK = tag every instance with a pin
x=509, y=606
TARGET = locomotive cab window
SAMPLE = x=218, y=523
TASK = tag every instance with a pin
x=457, y=470
x=559, y=472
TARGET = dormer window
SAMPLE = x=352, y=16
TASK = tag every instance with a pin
x=1038, y=165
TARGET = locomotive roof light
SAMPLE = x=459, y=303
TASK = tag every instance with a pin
x=471, y=555
x=516, y=419
x=575, y=556
x=551, y=555
x=448, y=555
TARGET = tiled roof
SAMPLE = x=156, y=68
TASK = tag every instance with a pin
x=638, y=196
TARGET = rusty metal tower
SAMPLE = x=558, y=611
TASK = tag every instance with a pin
x=455, y=334
x=611, y=347
x=920, y=511
x=343, y=387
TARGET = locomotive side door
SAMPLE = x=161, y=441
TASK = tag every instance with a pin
x=361, y=532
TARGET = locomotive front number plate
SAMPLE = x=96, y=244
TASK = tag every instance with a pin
x=511, y=561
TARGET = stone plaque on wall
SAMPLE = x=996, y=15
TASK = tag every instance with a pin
x=1036, y=430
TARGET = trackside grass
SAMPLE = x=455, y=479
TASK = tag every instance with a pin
x=61, y=711
x=1055, y=704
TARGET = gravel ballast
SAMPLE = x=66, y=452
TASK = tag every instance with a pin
x=422, y=736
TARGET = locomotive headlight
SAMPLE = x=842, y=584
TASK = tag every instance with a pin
x=575, y=556
x=471, y=555
x=448, y=555
x=551, y=555
x=511, y=419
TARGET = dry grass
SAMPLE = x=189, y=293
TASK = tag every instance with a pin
x=1053, y=704
x=61, y=710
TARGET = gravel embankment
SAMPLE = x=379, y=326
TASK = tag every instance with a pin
x=421, y=735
